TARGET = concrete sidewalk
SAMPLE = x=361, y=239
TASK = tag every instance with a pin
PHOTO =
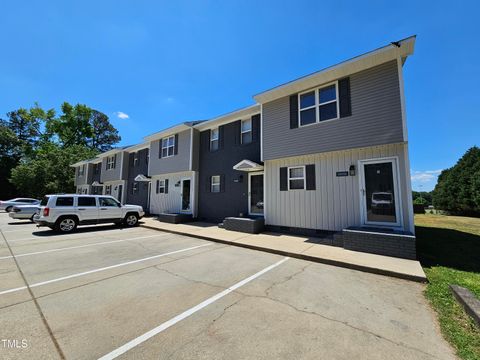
x=301, y=247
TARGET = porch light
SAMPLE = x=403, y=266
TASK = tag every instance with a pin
x=351, y=170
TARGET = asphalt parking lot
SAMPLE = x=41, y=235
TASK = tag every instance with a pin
x=138, y=293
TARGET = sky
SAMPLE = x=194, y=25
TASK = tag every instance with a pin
x=151, y=64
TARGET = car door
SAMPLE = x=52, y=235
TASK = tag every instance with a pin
x=87, y=209
x=109, y=209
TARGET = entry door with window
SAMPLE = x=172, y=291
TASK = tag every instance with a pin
x=186, y=203
x=380, y=192
x=255, y=194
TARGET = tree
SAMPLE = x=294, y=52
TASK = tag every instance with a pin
x=457, y=188
x=50, y=171
x=104, y=134
x=424, y=196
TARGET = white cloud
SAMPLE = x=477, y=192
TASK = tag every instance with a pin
x=425, y=176
x=121, y=115
x=169, y=100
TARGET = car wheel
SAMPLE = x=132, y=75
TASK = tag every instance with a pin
x=66, y=225
x=131, y=220
x=8, y=209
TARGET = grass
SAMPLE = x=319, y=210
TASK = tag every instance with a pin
x=448, y=248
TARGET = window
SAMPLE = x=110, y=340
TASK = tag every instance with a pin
x=64, y=201
x=168, y=146
x=135, y=159
x=108, y=202
x=296, y=178
x=96, y=169
x=246, y=131
x=134, y=188
x=86, y=201
x=108, y=190
x=318, y=105
x=214, y=135
x=147, y=158
x=161, y=186
x=44, y=201
x=215, y=184
x=111, y=162
x=81, y=170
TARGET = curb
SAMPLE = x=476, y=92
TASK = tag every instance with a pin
x=342, y=264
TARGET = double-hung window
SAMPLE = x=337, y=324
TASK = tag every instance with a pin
x=110, y=162
x=318, y=105
x=135, y=159
x=296, y=178
x=108, y=190
x=160, y=186
x=215, y=184
x=246, y=134
x=168, y=146
x=214, y=136
x=81, y=170
x=134, y=188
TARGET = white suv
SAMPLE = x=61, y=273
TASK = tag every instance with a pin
x=64, y=213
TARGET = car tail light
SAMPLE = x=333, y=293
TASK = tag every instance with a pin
x=46, y=211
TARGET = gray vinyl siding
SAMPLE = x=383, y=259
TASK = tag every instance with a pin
x=86, y=178
x=335, y=204
x=172, y=164
x=376, y=119
x=116, y=173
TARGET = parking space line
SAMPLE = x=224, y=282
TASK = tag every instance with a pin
x=149, y=334
x=78, y=247
x=101, y=269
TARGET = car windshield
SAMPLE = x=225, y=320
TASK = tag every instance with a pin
x=44, y=201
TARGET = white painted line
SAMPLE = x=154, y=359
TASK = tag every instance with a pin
x=149, y=334
x=78, y=247
x=101, y=269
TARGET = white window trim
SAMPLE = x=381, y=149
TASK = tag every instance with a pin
x=304, y=177
x=110, y=162
x=168, y=146
x=245, y=132
x=217, y=139
x=317, y=104
x=135, y=159
x=161, y=185
x=219, y=183
x=81, y=170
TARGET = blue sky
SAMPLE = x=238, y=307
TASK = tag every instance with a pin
x=163, y=62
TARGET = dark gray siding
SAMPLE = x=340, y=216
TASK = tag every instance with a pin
x=376, y=119
x=172, y=164
x=233, y=199
x=116, y=173
x=140, y=197
x=96, y=175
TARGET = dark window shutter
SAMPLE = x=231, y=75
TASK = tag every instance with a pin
x=294, y=111
x=115, y=161
x=222, y=183
x=175, y=151
x=221, y=132
x=283, y=179
x=310, y=176
x=166, y=186
x=208, y=187
x=237, y=128
x=160, y=148
x=344, y=97
x=255, y=127
x=206, y=139
x=157, y=186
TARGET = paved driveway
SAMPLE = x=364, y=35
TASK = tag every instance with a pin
x=138, y=293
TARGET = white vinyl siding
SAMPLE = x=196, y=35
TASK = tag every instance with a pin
x=335, y=204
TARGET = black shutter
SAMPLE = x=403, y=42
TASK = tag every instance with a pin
x=310, y=176
x=160, y=148
x=205, y=136
x=175, y=150
x=237, y=128
x=294, y=111
x=115, y=161
x=283, y=179
x=344, y=97
x=157, y=186
x=255, y=127
x=166, y=186
x=222, y=183
x=221, y=132
x=208, y=187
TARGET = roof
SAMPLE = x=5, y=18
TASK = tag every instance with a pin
x=396, y=50
x=172, y=130
x=231, y=116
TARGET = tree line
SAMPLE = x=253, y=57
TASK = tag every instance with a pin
x=38, y=146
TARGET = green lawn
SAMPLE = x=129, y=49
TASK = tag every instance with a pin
x=449, y=249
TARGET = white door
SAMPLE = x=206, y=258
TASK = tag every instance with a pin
x=255, y=194
x=108, y=209
x=87, y=209
x=379, y=192
x=186, y=195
